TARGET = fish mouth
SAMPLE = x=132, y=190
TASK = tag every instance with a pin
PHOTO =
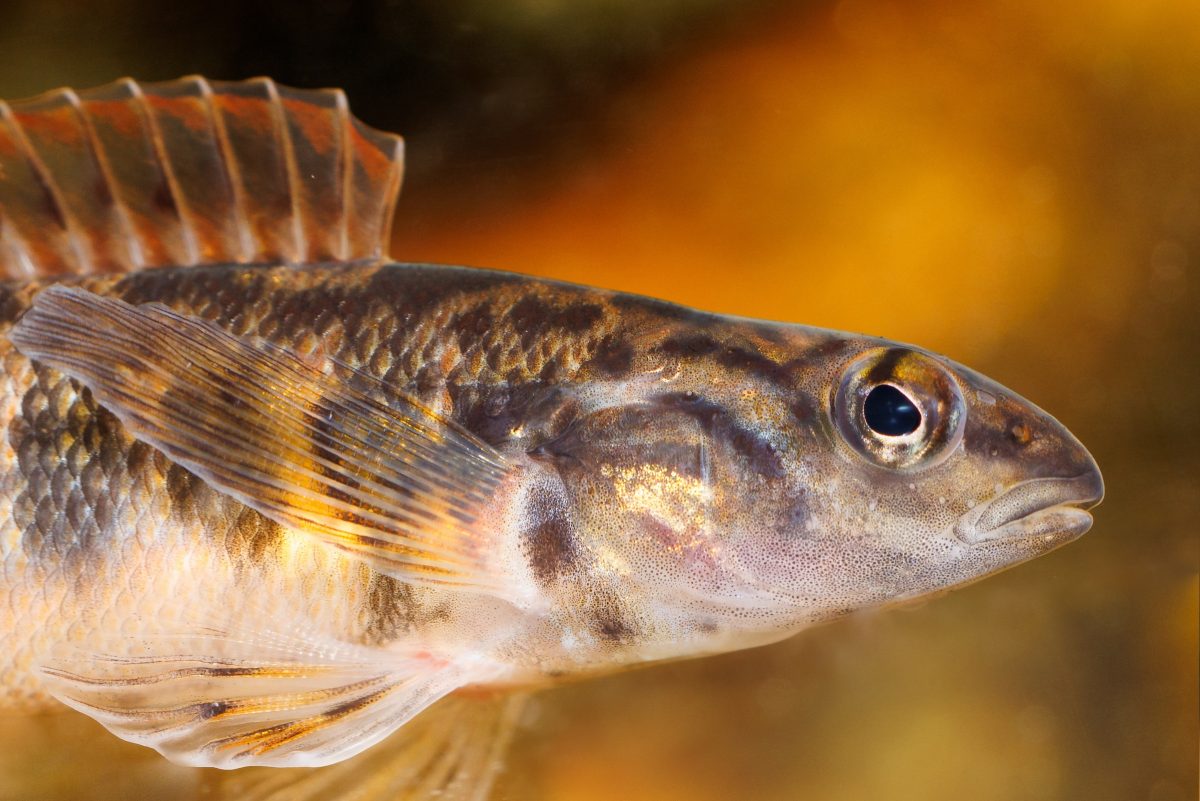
x=1048, y=509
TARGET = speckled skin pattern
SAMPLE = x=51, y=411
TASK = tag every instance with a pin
x=680, y=482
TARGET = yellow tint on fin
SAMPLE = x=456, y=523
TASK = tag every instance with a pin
x=452, y=752
x=211, y=697
x=325, y=450
x=129, y=175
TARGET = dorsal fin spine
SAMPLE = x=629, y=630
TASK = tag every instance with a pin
x=14, y=252
x=38, y=167
x=132, y=246
x=347, y=173
x=229, y=162
x=395, y=177
x=170, y=181
x=284, y=137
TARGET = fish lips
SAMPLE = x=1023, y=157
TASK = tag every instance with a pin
x=1052, y=510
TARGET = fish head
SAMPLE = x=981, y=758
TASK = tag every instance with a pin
x=929, y=476
x=764, y=478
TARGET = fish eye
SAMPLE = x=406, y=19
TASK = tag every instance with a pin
x=889, y=412
x=899, y=409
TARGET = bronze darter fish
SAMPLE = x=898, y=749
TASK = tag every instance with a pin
x=266, y=495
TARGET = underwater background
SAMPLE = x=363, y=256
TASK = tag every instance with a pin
x=1014, y=184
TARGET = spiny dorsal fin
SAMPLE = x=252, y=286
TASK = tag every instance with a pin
x=132, y=175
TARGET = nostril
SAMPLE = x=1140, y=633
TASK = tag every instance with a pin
x=1021, y=434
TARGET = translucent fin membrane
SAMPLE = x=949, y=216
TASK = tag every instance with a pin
x=132, y=175
x=253, y=694
x=451, y=752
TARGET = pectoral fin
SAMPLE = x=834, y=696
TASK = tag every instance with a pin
x=322, y=449
x=230, y=699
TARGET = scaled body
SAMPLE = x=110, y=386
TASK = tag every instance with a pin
x=263, y=512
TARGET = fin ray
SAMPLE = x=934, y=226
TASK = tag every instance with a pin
x=223, y=700
x=452, y=752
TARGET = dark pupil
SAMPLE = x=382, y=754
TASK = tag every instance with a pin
x=889, y=412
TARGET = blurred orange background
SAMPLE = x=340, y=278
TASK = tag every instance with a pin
x=1014, y=184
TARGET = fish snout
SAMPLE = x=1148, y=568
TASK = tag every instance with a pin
x=1047, y=479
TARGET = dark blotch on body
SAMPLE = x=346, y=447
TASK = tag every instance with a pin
x=181, y=489
x=734, y=357
x=472, y=324
x=256, y=536
x=533, y=314
x=608, y=618
x=613, y=357
x=392, y=609
x=689, y=345
x=803, y=410
x=551, y=545
x=756, y=364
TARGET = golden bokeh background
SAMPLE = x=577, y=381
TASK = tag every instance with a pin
x=1015, y=184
